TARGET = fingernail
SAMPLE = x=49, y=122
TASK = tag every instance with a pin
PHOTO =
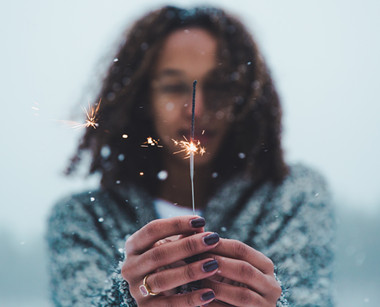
x=208, y=296
x=210, y=266
x=198, y=222
x=211, y=239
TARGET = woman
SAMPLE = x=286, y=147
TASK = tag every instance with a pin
x=270, y=216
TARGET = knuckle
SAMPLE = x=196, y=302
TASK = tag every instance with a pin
x=269, y=265
x=152, y=228
x=157, y=254
x=157, y=283
x=125, y=271
x=190, y=245
x=276, y=289
x=177, y=226
x=190, y=300
x=246, y=298
x=165, y=304
x=239, y=249
x=129, y=245
x=189, y=273
x=277, y=292
x=247, y=271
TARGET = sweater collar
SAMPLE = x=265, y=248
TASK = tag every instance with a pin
x=216, y=212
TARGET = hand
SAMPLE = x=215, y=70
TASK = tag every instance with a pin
x=145, y=257
x=245, y=276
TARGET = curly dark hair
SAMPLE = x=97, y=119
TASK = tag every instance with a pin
x=252, y=146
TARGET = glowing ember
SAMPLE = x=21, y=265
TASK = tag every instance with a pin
x=151, y=142
x=91, y=118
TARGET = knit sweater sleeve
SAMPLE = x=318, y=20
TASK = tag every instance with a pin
x=301, y=244
x=84, y=258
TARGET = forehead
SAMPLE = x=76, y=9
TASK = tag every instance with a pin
x=191, y=51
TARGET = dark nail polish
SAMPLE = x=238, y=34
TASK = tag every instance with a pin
x=210, y=266
x=198, y=222
x=211, y=239
x=208, y=296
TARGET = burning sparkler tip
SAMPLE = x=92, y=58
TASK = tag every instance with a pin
x=189, y=148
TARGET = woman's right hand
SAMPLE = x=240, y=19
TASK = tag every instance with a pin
x=145, y=257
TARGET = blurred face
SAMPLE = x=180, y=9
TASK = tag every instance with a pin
x=188, y=55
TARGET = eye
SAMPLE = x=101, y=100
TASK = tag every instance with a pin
x=221, y=93
x=217, y=89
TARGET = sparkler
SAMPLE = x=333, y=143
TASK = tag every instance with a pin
x=191, y=148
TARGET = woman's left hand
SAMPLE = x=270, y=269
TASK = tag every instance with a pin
x=245, y=276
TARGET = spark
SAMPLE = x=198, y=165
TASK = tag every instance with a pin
x=151, y=142
x=92, y=118
x=189, y=148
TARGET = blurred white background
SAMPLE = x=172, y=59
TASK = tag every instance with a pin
x=324, y=56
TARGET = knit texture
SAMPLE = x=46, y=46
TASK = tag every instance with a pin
x=291, y=223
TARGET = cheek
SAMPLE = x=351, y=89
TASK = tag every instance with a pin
x=169, y=117
x=168, y=106
x=166, y=124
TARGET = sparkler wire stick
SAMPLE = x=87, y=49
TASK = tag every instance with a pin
x=191, y=152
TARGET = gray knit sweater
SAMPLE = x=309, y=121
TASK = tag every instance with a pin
x=291, y=223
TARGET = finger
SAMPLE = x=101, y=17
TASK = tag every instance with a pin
x=167, y=240
x=160, y=229
x=243, y=272
x=171, y=252
x=216, y=303
x=175, y=277
x=238, y=250
x=236, y=296
x=195, y=298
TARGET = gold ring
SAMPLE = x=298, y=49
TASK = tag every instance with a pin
x=145, y=289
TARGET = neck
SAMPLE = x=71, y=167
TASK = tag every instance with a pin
x=177, y=187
